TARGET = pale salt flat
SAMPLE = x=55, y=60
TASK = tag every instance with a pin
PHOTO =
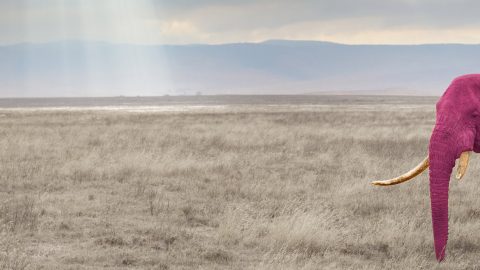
x=231, y=108
x=174, y=108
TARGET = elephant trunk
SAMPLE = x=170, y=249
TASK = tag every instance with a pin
x=442, y=160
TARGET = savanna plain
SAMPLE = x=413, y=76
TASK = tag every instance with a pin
x=280, y=184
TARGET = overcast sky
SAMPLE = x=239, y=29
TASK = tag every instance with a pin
x=225, y=21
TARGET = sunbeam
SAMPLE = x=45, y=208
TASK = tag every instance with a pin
x=92, y=48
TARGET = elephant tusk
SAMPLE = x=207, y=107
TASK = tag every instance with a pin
x=461, y=169
x=405, y=177
x=462, y=165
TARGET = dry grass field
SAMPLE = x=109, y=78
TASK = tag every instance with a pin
x=241, y=187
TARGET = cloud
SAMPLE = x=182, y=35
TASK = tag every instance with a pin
x=220, y=21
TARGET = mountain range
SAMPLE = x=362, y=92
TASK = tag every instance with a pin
x=78, y=68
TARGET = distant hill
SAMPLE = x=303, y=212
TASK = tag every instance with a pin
x=273, y=67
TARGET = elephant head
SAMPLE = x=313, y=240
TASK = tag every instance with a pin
x=456, y=133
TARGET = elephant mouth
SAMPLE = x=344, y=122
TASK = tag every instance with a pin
x=461, y=170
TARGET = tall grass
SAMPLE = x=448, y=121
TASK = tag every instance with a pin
x=254, y=187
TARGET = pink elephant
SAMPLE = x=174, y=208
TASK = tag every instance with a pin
x=454, y=136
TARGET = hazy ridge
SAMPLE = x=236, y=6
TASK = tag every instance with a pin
x=273, y=67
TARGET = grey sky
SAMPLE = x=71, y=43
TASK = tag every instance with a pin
x=222, y=21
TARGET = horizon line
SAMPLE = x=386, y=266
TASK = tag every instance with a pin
x=219, y=95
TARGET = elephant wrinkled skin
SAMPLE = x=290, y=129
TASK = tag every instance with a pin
x=456, y=133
